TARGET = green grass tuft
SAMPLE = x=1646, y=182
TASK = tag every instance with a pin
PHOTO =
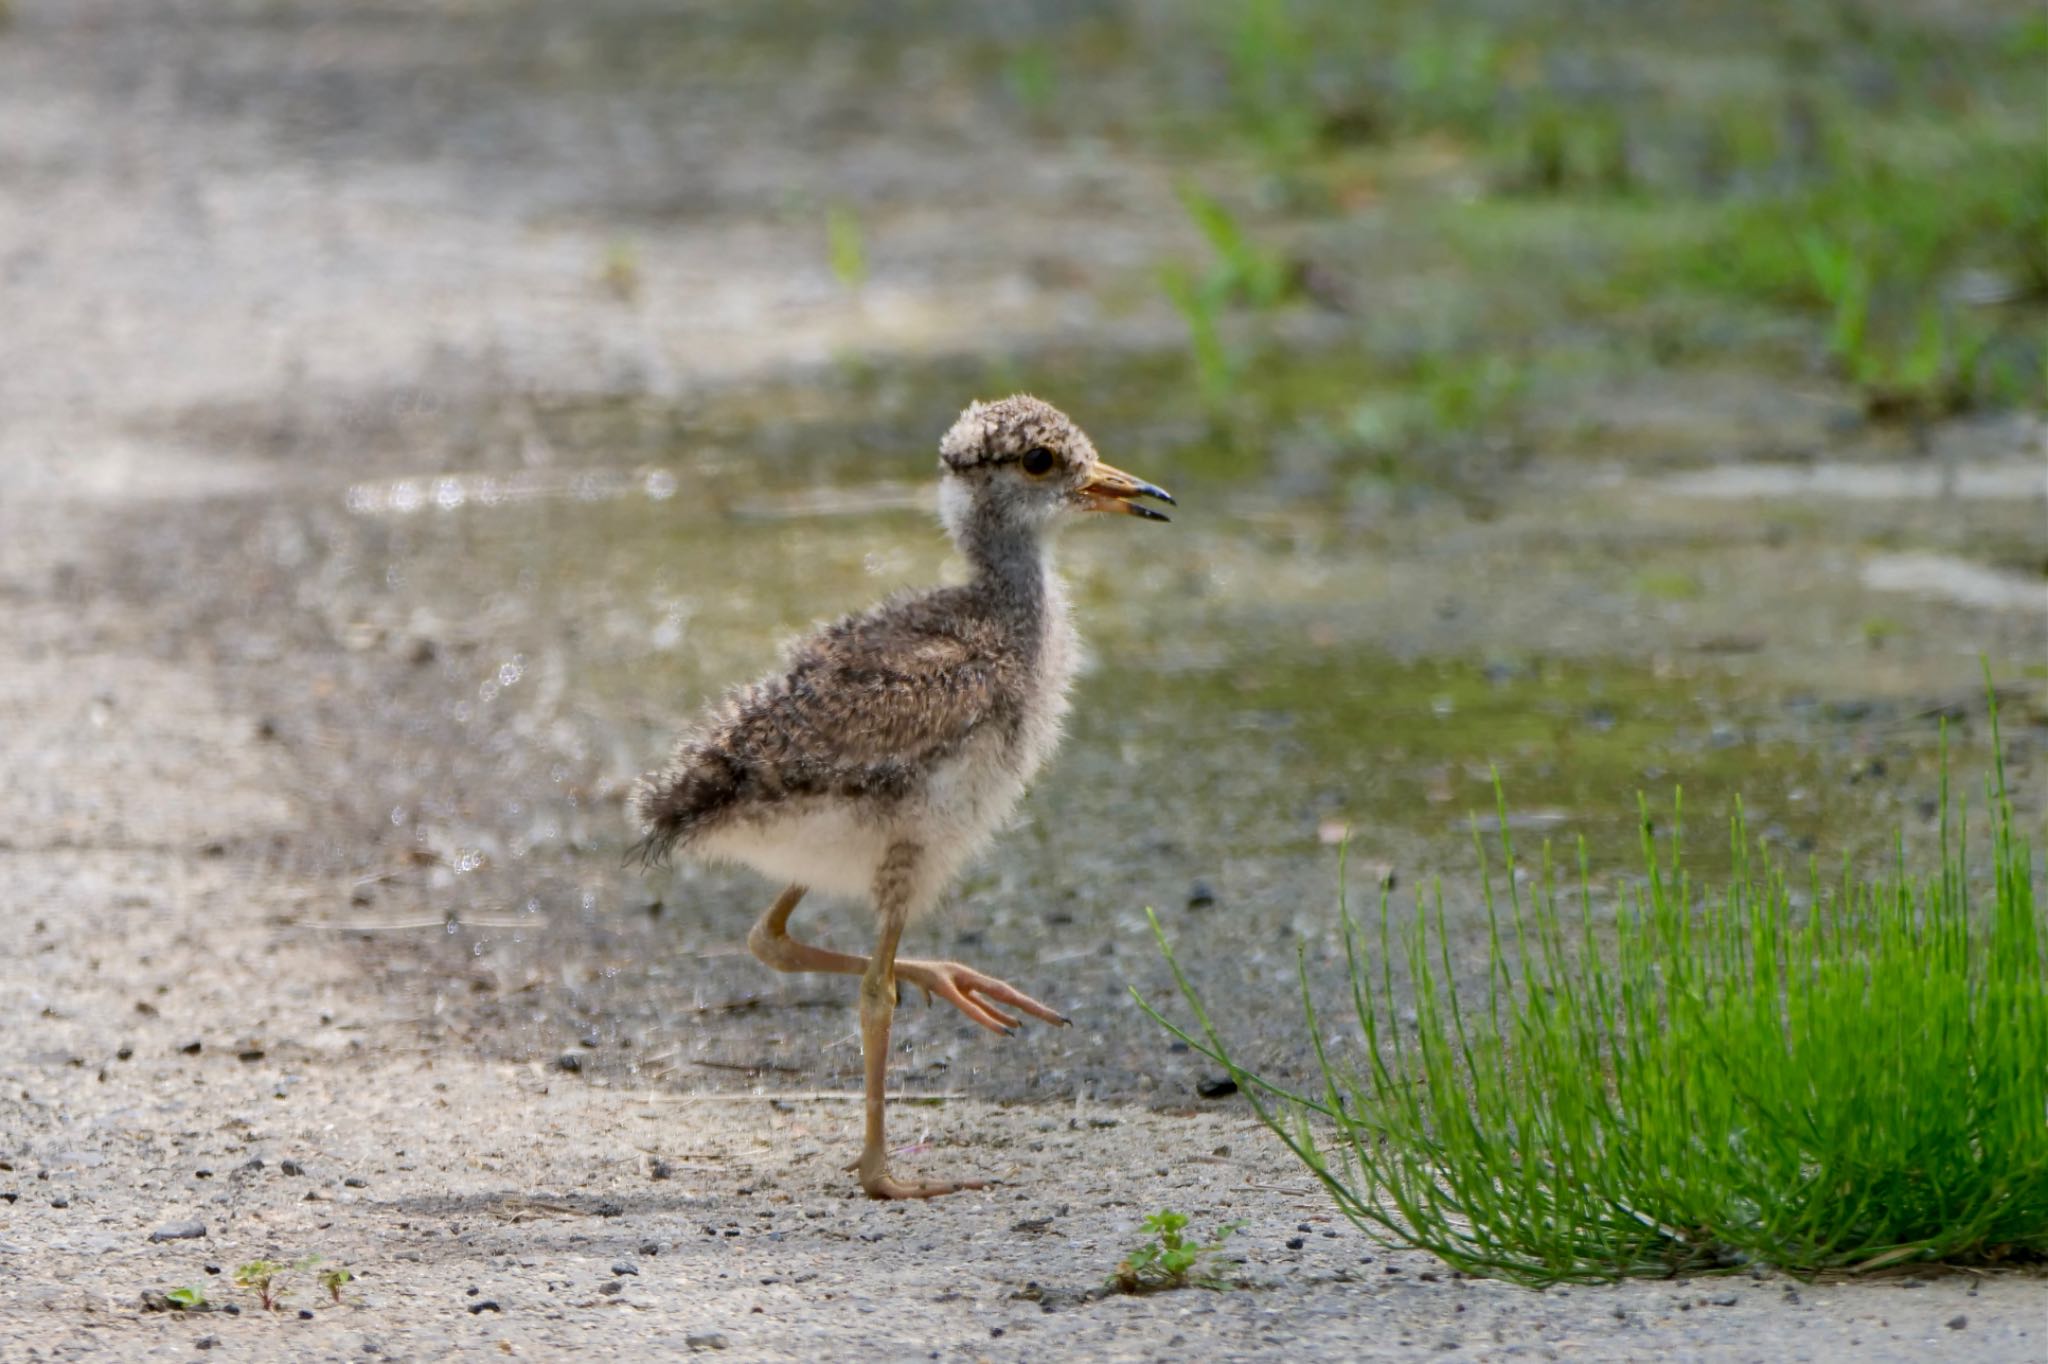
x=1822, y=1078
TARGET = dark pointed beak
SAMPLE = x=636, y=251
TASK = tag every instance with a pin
x=1110, y=489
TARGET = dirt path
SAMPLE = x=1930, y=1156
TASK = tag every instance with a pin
x=184, y=1050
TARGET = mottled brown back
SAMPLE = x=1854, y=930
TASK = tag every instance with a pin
x=867, y=707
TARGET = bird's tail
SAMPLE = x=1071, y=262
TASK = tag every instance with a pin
x=659, y=819
x=671, y=805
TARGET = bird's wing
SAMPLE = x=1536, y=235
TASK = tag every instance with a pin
x=865, y=708
x=870, y=694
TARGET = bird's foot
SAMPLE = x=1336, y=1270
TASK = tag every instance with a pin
x=882, y=1184
x=975, y=995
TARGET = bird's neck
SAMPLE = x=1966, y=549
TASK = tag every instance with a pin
x=1011, y=563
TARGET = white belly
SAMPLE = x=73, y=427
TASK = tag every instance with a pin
x=820, y=844
x=836, y=847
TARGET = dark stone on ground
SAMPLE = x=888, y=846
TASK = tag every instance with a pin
x=179, y=1231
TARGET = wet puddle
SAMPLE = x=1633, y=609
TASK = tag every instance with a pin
x=1271, y=676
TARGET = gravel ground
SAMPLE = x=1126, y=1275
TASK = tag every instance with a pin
x=191, y=1088
x=186, y=230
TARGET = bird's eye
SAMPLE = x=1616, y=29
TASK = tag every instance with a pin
x=1038, y=461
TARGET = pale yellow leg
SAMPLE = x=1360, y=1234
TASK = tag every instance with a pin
x=965, y=988
x=877, y=1004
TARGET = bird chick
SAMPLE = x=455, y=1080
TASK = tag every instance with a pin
x=892, y=744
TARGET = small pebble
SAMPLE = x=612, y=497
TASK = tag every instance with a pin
x=650, y=1247
x=625, y=1267
x=291, y=1167
x=179, y=1231
x=305, y=1314
x=1296, y=1242
x=1958, y=1322
x=356, y=1182
x=1201, y=895
x=1216, y=1087
x=487, y=1305
x=60, y=1202
x=611, y=1288
x=205, y=1342
x=569, y=1061
x=706, y=1340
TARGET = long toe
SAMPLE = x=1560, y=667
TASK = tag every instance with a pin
x=1011, y=995
x=886, y=1185
x=976, y=995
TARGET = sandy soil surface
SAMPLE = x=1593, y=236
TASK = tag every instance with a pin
x=187, y=1045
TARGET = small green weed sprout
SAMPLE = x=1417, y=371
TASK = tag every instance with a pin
x=1558, y=148
x=1170, y=1260
x=1269, y=55
x=187, y=1299
x=269, y=1280
x=1240, y=274
x=264, y=1278
x=1032, y=78
x=1201, y=308
x=844, y=247
x=1924, y=369
x=1821, y=1078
